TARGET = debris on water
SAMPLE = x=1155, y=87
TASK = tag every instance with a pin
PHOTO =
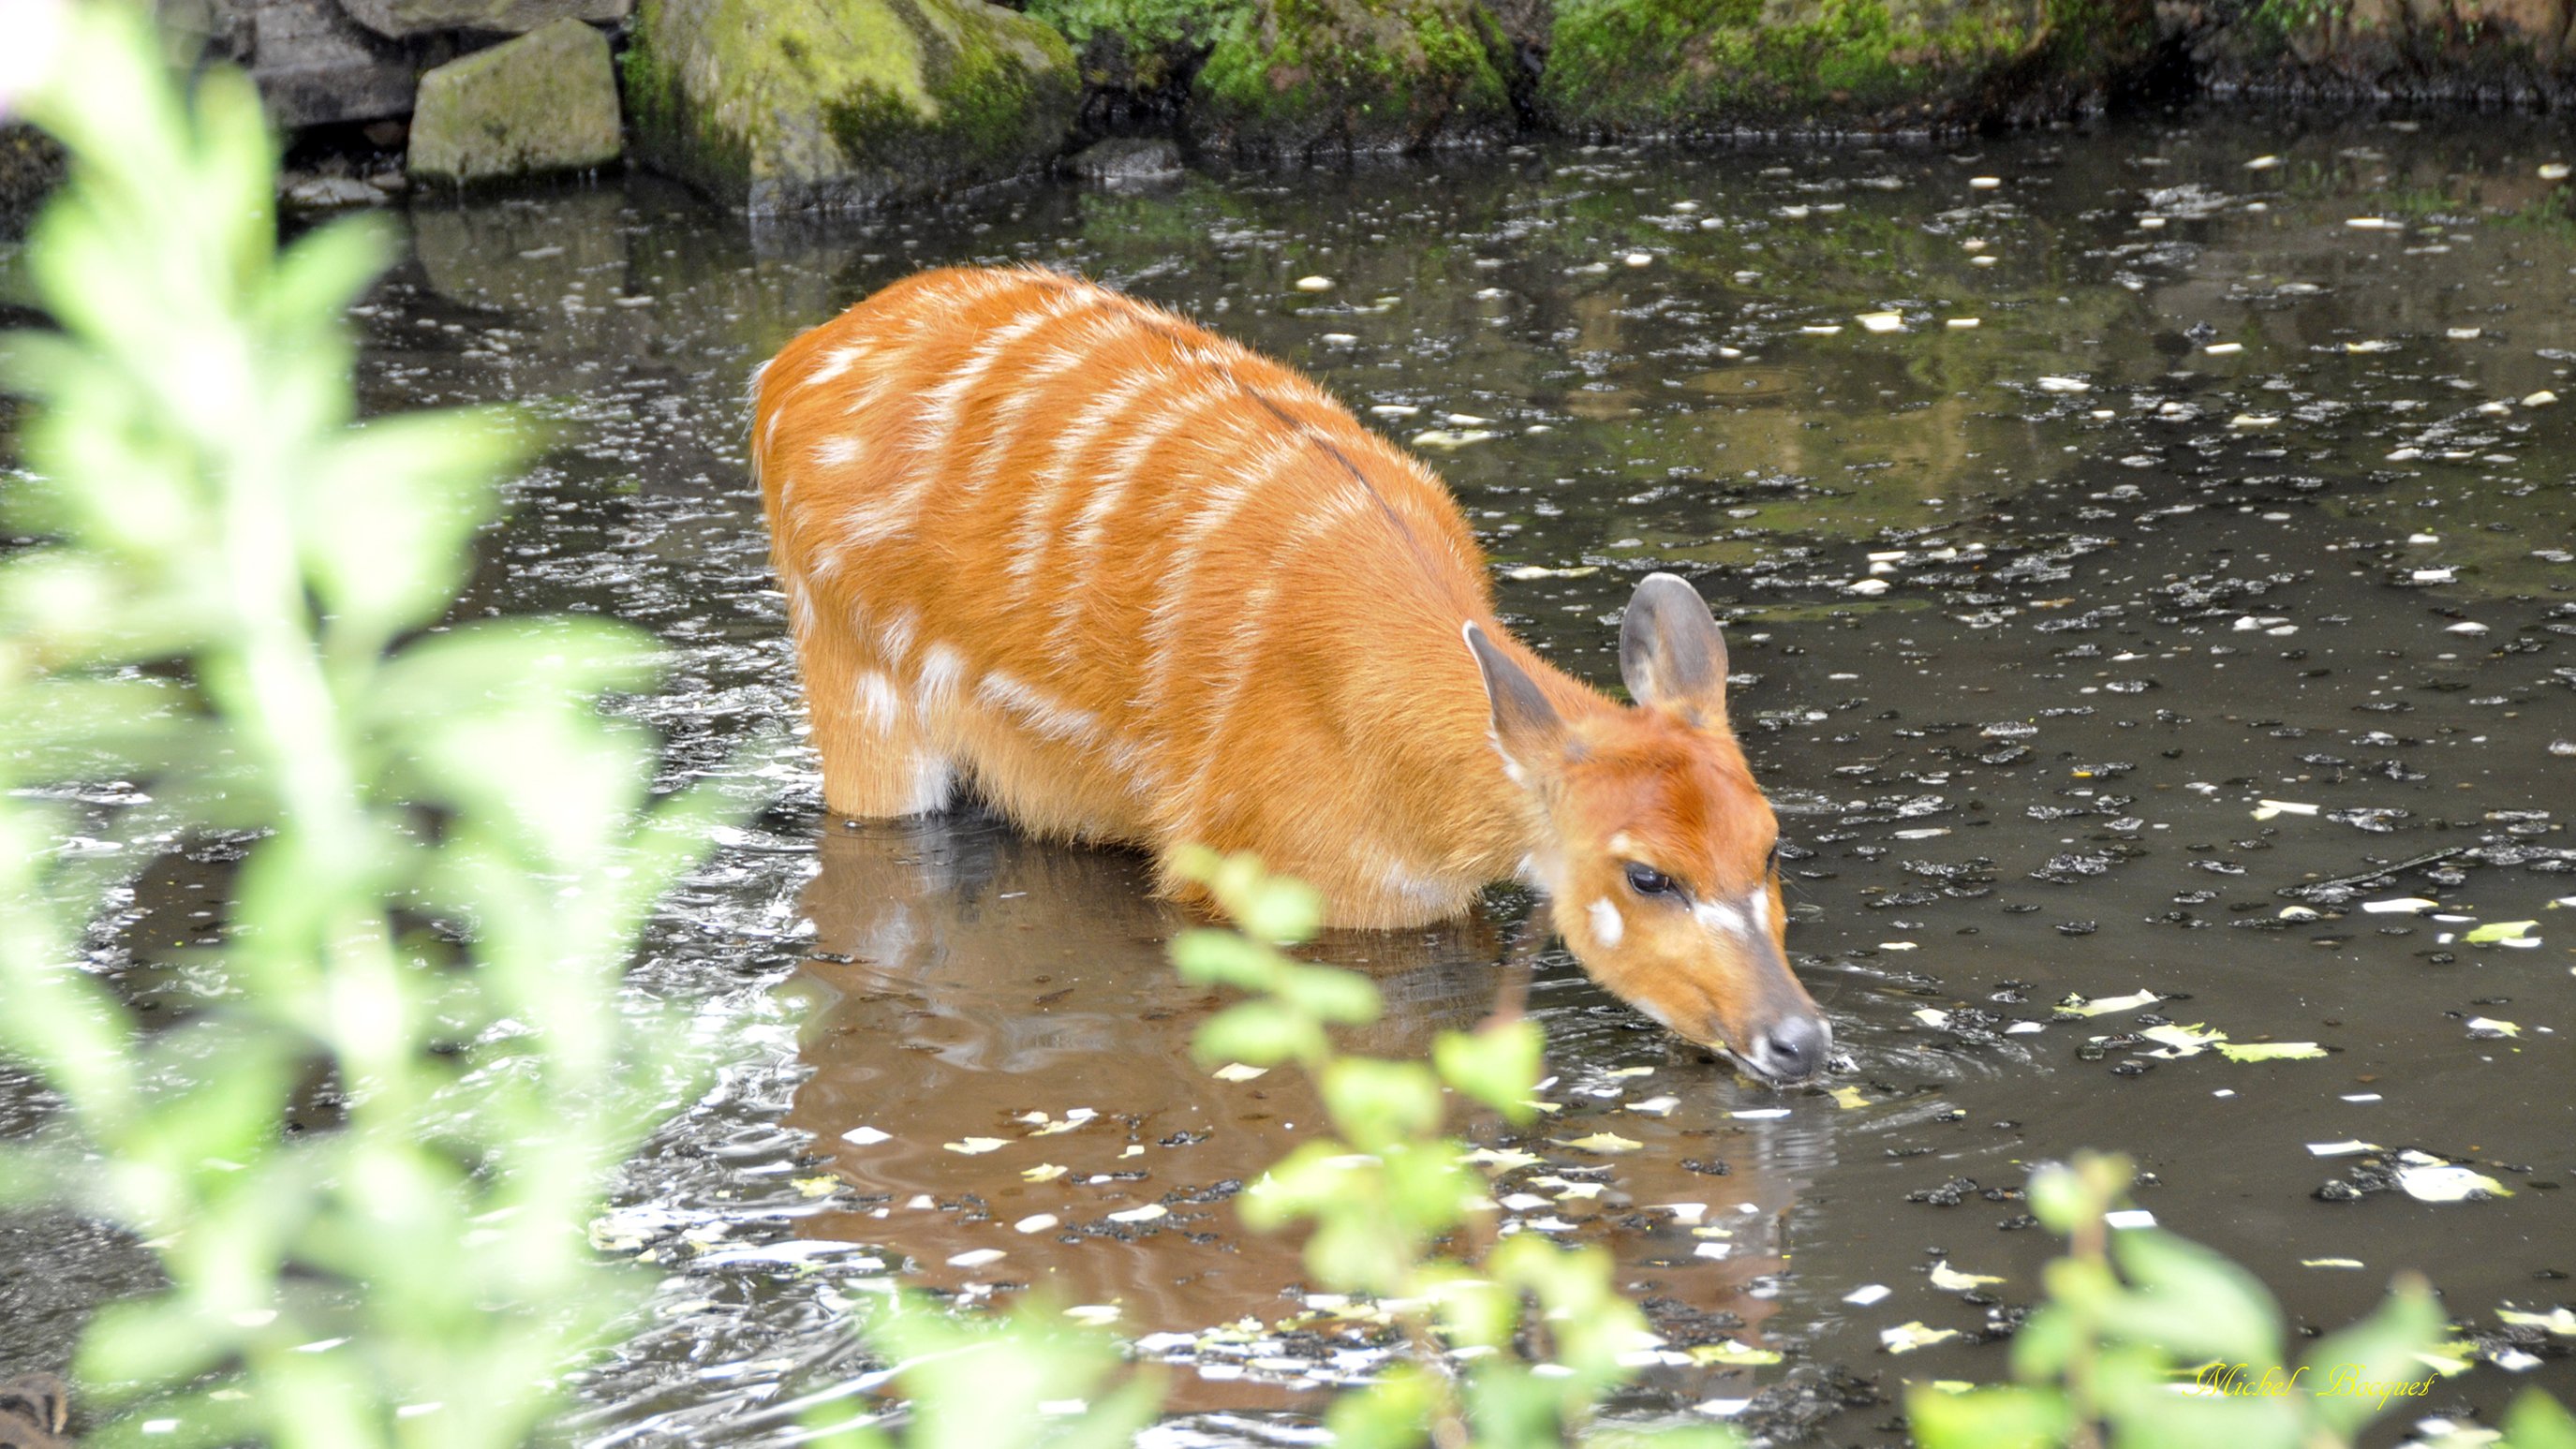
x=1604, y=1143
x=1656, y=1106
x=2408, y=905
x=1525, y=573
x=2263, y=163
x=2553, y=171
x=1907, y=1337
x=2448, y=1182
x=1732, y=1354
x=1450, y=437
x=1867, y=1294
x=1237, y=1072
x=2271, y=1051
x=1035, y=1223
x=1314, y=284
x=2330, y=1263
x=1984, y=183
x=1960, y=322
x=976, y=1257
x=2504, y=933
x=2064, y=384
x=2076, y=1005
x=2267, y=809
x=866, y=1136
x=2540, y=399
x=1145, y=1214
x=1866, y=586
x=974, y=1146
x=2129, y=1218
x=2345, y=1148
x=1394, y=410
x=1043, y=1172
x=1881, y=321
x=2182, y=1041
x=2374, y=223
x=1759, y=1114
x=2490, y=1028
x=2224, y=349
x=1821, y=329
x=1951, y=1280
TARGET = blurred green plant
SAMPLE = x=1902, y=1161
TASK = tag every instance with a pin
x=1029, y=1381
x=232, y=603
x=2150, y=1339
x=1390, y=1200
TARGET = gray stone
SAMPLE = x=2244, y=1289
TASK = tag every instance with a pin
x=313, y=66
x=1127, y=161
x=323, y=192
x=401, y=19
x=803, y=105
x=546, y=101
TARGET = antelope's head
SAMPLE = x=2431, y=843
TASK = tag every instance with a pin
x=1660, y=855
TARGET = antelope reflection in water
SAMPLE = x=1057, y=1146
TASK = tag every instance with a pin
x=973, y=983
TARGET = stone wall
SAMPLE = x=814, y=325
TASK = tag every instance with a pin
x=788, y=105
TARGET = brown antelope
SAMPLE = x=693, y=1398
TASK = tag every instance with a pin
x=1137, y=584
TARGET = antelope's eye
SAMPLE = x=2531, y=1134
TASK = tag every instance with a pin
x=1775, y=857
x=1645, y=880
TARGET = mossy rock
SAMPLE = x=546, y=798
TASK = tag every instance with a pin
x=544, y=102
x=801, y=105
x=2482, y=52
x=1300, y=76
x=1707, y=65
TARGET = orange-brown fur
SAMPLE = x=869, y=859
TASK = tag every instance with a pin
x=1134, y=583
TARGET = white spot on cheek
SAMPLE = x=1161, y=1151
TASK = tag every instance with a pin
x=1607, y=925
x=1720, y=917
x=1758, y=906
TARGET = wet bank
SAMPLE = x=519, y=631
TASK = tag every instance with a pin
x=2212, y=587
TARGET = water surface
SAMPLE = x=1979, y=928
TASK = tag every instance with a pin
x=2167, y=491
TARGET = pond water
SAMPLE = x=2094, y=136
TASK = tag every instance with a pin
x=2068, y=499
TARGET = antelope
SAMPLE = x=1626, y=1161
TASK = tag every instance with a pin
x=1132, y=583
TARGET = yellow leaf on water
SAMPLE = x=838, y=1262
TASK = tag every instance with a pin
x=1849, y=1097
x=1603, y=1142
x=1728, y=1351
x=2271, y=1051
x=1951, y=1280
x=1907, y=1337
x=974, y=1145
x=1043, y=1172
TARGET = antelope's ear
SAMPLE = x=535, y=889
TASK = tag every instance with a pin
x=1527, y=729
x=1671, y=655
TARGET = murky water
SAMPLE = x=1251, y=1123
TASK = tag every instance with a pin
x=2165, y=491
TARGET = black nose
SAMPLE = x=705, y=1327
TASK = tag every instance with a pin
x=1794, y=1049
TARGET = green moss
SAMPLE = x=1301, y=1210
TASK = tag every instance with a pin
x=1294, y=74
x=1656, y=64
x=789, y=104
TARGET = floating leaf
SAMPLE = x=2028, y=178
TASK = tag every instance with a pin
x=1237, y=1072
x=1145, y=1214
x=1728, y=1351
x=2132, y=1002
x=1907, y=1337
x=1603, y=1142
x=2271, y=1051
x=2448, y=1182
x=1951, y=1280
x=1043, y=1172
x=973, y=1146
x=2495, y=931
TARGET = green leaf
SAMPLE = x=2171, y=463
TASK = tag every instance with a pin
x=2006, y=1418
x=1498, y=1064
x=1258, y=1033
x=1377, y=1103
x=2380, y=1349
x=2537, y=1421
x=2191, y=1302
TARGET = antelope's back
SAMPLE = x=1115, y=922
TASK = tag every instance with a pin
x=1132, y=576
